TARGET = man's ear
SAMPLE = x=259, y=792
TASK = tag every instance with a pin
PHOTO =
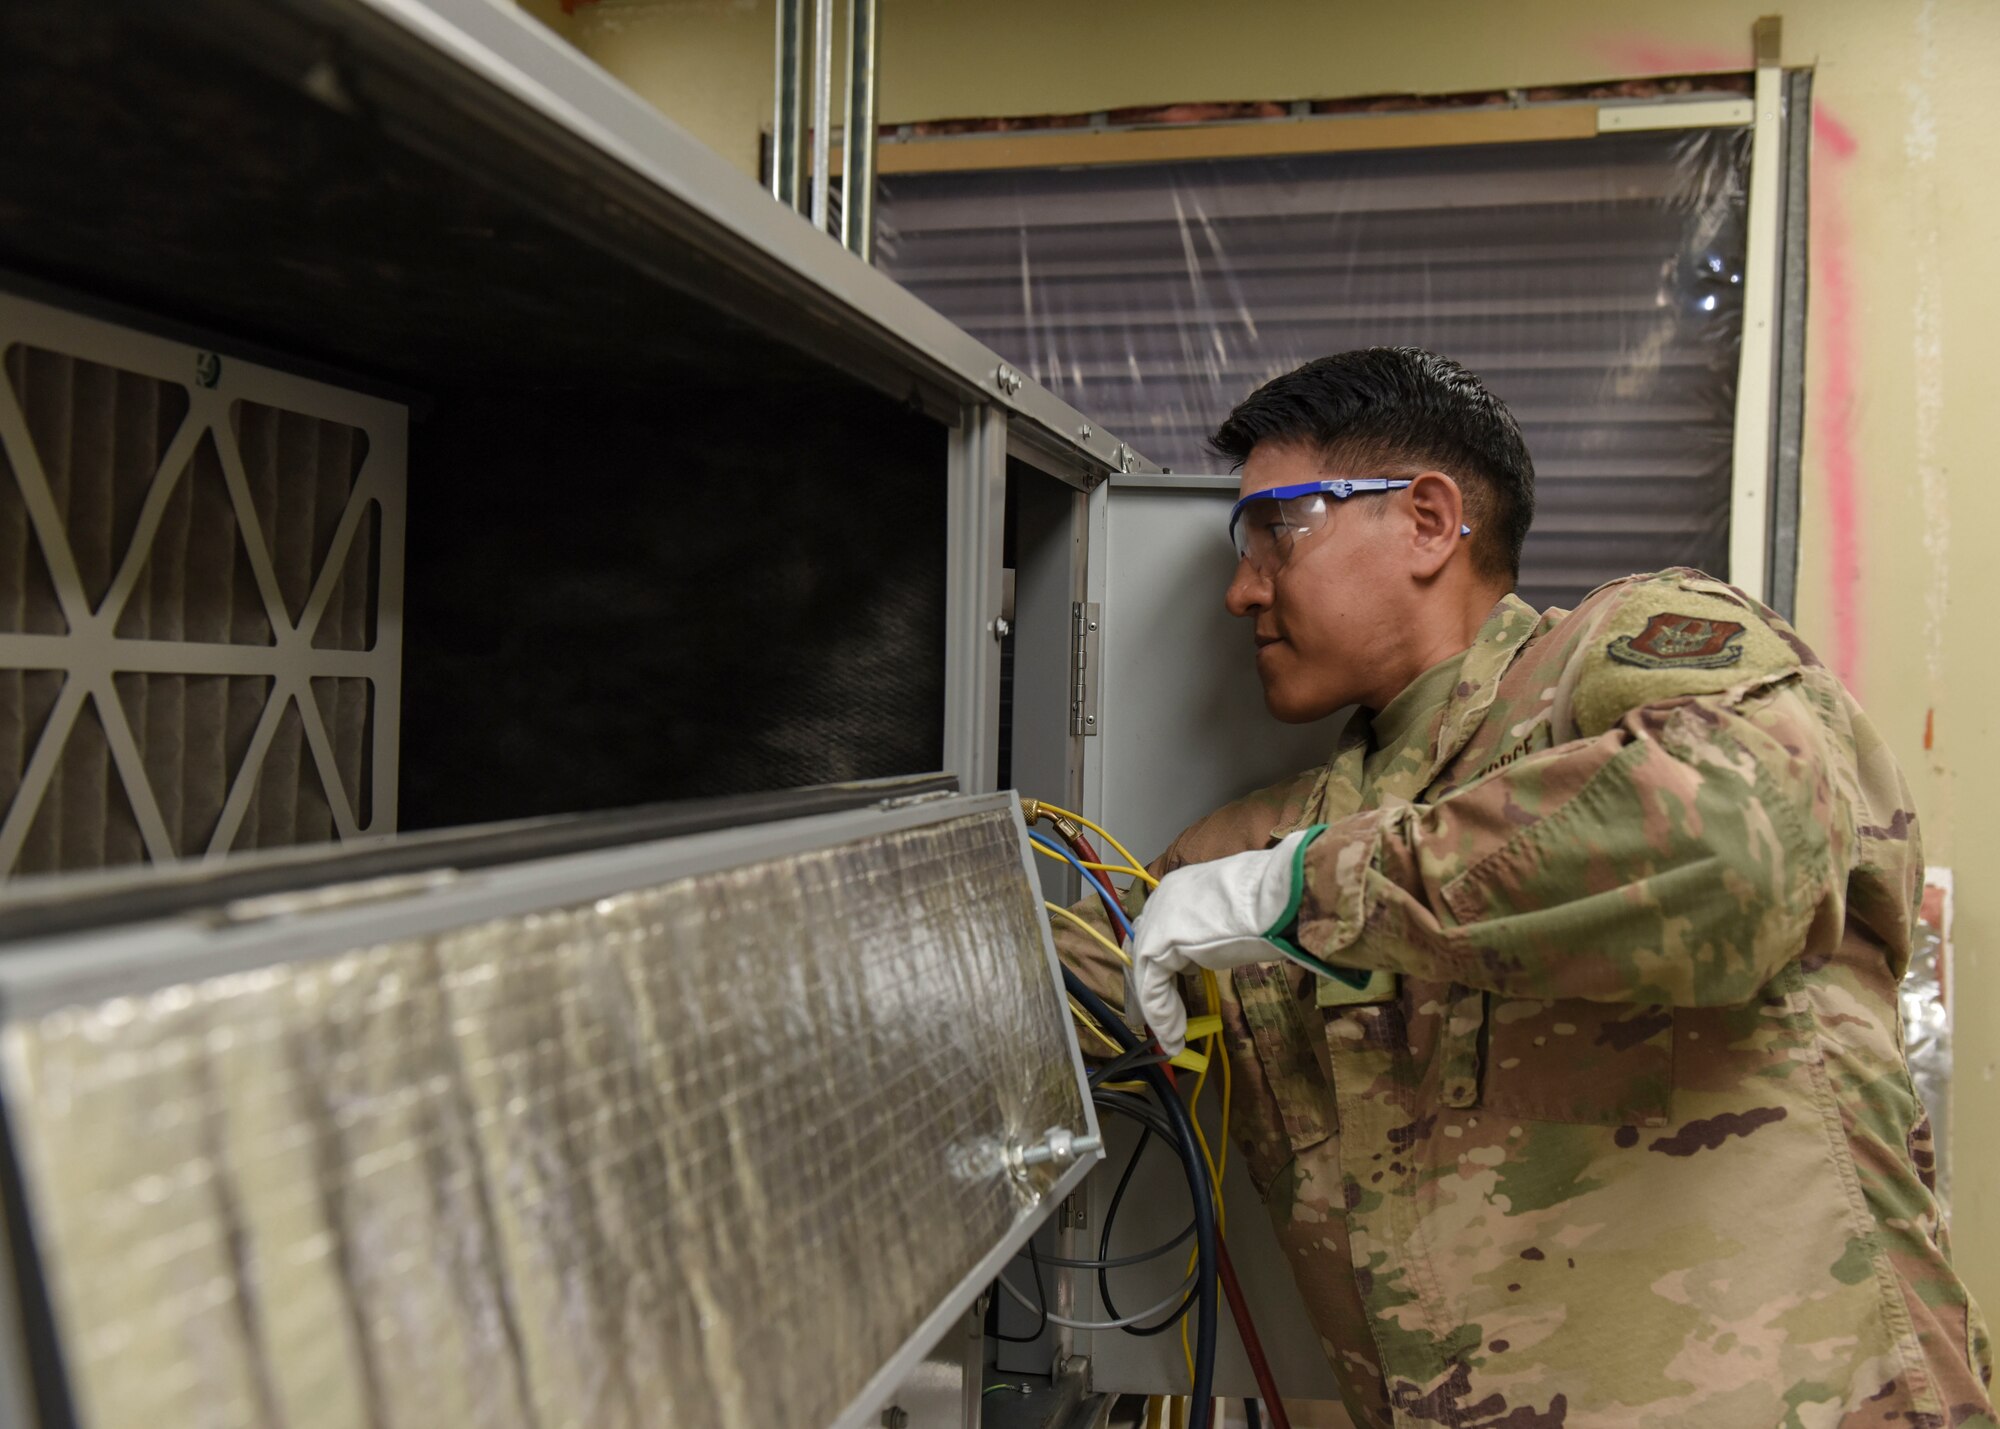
x=1437, y=511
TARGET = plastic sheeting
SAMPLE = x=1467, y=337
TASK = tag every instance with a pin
x=1595, y=284
x=706, y=1153
x=1927, y=1022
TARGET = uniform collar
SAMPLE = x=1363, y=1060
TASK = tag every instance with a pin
x=1421, y=696
x=1501, y=638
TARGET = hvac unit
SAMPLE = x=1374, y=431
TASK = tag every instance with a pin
x=493, y=609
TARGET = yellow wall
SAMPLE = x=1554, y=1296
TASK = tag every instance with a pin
x=1900, y=577
x=709, y=64
x=552, y=14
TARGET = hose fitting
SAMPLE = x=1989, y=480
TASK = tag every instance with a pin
x=1034, y=810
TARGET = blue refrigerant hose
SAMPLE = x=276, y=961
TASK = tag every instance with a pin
x=1091, y=881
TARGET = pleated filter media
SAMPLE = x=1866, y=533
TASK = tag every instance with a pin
x=200, y=600
x=705, y=1152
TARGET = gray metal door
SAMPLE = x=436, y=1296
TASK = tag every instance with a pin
x=1181, y=726
x=1181, y=729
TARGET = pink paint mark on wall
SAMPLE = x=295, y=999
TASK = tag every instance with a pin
x=1836, y=138
x=1637, y=55
x=1834, y=402
x=1833, y=318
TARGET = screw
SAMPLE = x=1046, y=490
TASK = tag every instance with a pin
x=1000, y=627
x=1083, y=432
x=1006, y=379
x=1058, y=1144
x=323, y=81
x=895, y=1417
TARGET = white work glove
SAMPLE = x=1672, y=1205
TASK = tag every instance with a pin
x=1212, y=915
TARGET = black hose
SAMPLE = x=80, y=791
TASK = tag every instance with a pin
x=1156, y=1125
x=1111, y=1219
x=1041, y=1299
x=1122, y=1262
x=1207, y=1257
x=1116, y=1070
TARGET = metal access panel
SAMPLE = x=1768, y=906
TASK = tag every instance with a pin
x=1180, y=730
x=1180, y=722
x=708, y=1130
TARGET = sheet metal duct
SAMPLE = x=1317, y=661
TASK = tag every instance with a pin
x=704, y=1131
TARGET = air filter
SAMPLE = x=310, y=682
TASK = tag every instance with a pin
x=707, y=1131
x=200, y=600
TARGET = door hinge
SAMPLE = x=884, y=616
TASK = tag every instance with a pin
x=1074, y=1215
x=1085, y=674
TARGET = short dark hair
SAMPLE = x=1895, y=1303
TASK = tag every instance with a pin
x=1387, y=411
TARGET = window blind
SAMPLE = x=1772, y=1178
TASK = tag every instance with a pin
x=1596, y=285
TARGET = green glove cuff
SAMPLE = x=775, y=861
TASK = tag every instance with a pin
x=1283, y=934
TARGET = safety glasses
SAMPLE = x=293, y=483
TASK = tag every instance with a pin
x=1265, y=525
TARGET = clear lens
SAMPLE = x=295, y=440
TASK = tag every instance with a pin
x=1265, y=531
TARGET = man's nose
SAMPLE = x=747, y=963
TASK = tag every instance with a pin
x=1249, y=590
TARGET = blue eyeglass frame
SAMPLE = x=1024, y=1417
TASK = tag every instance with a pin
x=1339, y=488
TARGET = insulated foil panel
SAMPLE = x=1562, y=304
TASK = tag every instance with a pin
x=700, y=1153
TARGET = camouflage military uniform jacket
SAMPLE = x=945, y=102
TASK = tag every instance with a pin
x=1620, y=1131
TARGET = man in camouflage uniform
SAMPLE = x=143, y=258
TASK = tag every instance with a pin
x=1562, y=1002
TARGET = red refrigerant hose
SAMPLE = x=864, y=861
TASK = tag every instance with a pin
x=1253, y=1348
x=1239, y=1310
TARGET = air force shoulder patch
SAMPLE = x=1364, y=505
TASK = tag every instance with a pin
x=1671, y=636
x=1687, y=642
